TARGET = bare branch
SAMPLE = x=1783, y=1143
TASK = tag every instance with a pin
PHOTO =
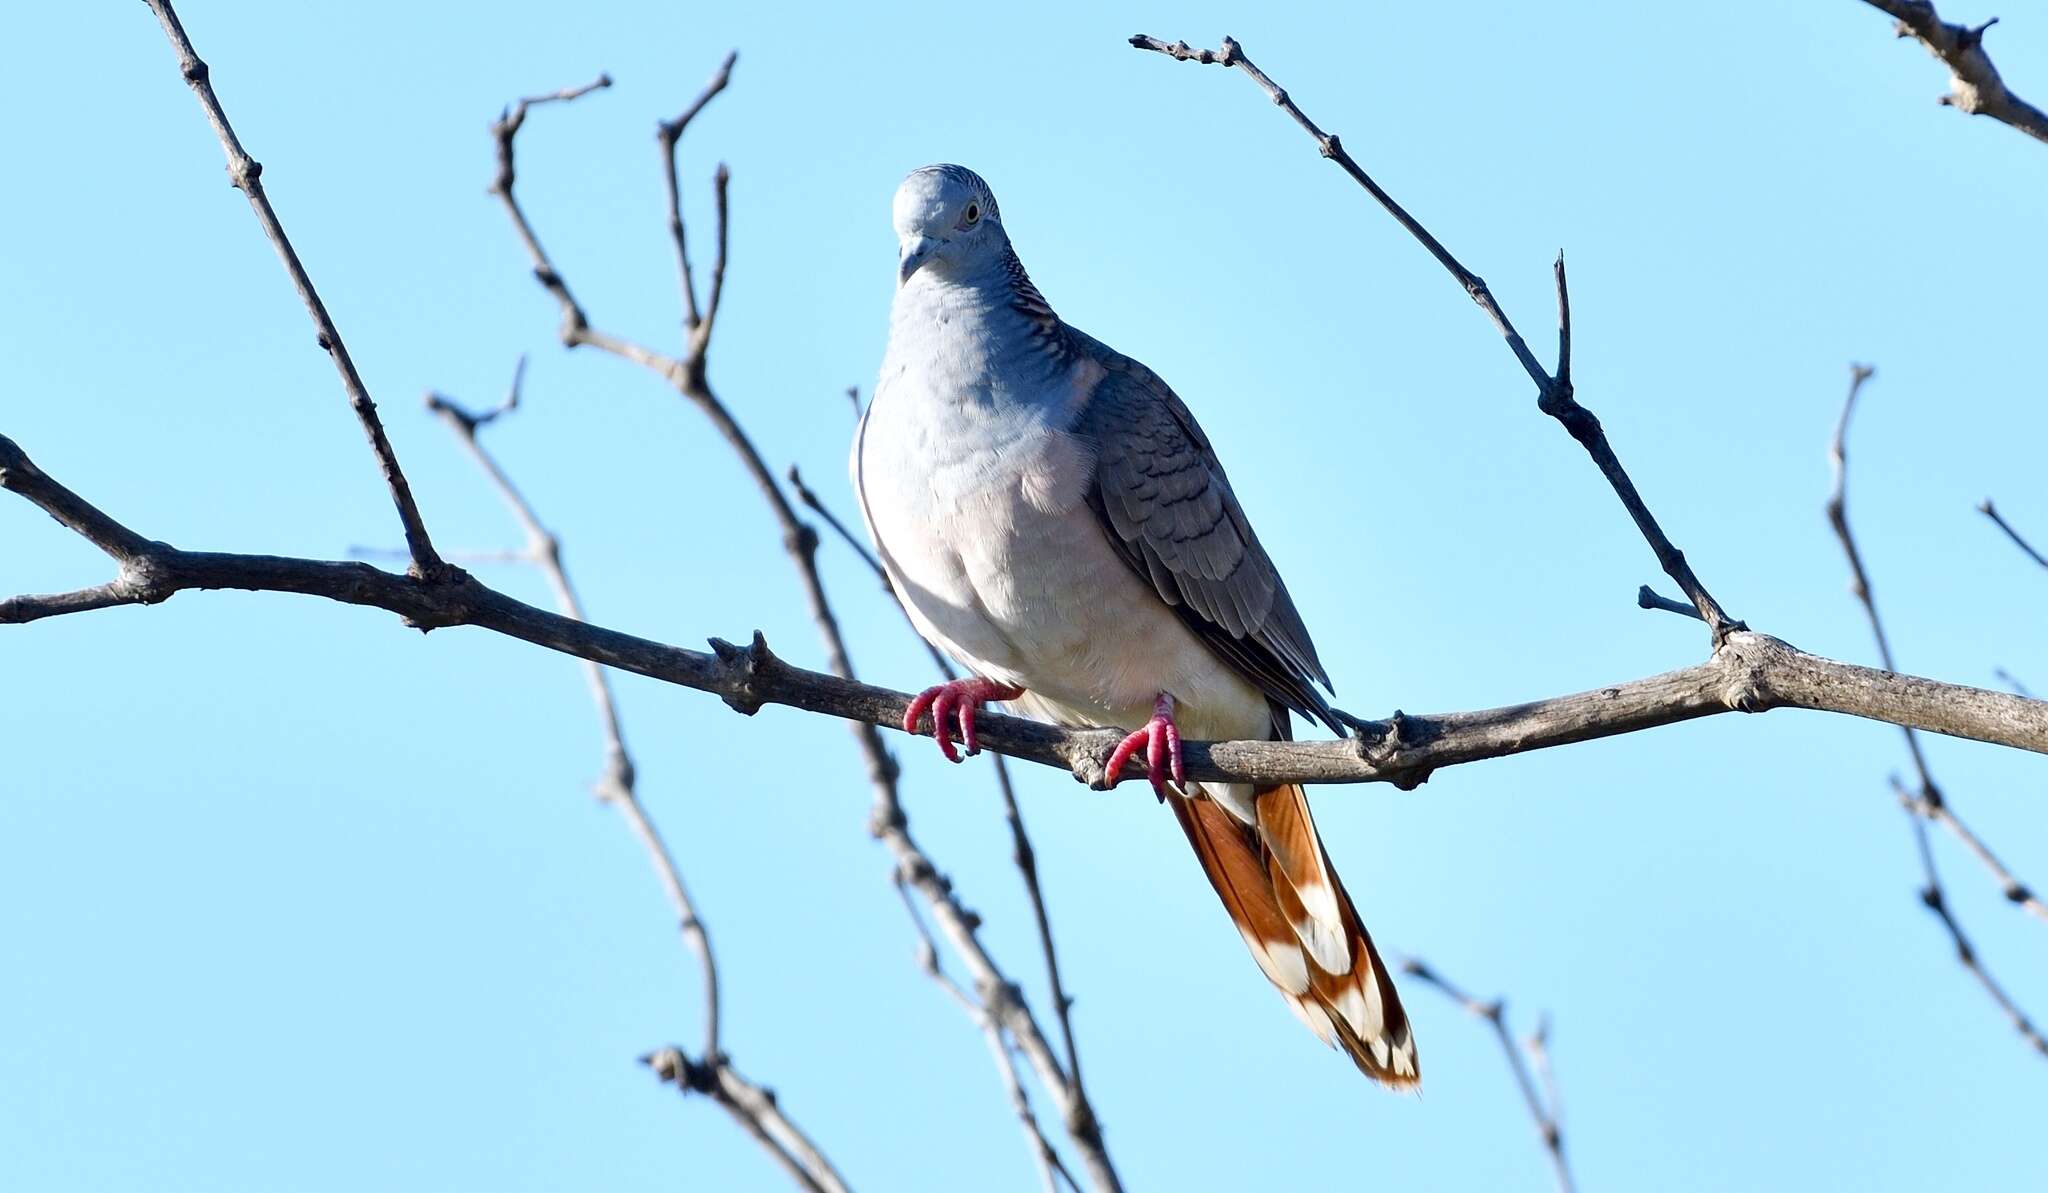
x=1022, y=852
x=812, y=502
x=800, y=541
x=1974, y=85
x=754, y=1106
x=1935, y=898
x=1050, y=1167
x=246, y=173
x=720, y=183
x=1991, y=511
x=1554, y=395
x=1941, y=811
x=1537, y=1045
x=711, y=1072
x=1649, y=598
x=1927, y=803
x=1544, y=1111
x=667, y=133
x=503, y=130
x=1752, y=673
x=619, y=785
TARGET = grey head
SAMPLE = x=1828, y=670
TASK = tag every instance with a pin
x=947, y=222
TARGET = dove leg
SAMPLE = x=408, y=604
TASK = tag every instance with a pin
x=956, y=703
x=1160, y=739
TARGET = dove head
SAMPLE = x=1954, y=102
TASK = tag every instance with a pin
x=947, y=223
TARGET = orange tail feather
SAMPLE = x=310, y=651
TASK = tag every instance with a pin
x=1295, y=916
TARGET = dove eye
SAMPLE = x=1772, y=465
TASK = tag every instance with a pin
x=973, y=214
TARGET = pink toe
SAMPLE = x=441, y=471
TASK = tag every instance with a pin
x=942, y=723
x=1121, y=757
x=918, y=708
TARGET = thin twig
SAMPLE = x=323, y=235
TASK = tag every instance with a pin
x=1022, y=853
x=759, y=1113
x=1927, y=803
x=755, y=1108
x=246, y=173
x=1537, y=1045
x=812, y=502
x=689, y=376
x=1544, y=1111
x=1991, y=511
x=1650, y=598
x=1051, y=1168
x=618, y=786
x=1554, y=394
x=1974, y=83
x=666, y=134
x=503, y=130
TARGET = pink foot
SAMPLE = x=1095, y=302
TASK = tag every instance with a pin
x=1161, y=739
x=956, y=702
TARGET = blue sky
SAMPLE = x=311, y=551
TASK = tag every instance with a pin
x=295, y=898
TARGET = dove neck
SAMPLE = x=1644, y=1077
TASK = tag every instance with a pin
x=991, y=300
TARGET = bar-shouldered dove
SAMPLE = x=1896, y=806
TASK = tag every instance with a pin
x=1052, y=517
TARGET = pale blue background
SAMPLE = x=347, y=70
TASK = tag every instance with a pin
x=293, y=898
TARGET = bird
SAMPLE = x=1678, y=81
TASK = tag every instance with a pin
x=1051, y=516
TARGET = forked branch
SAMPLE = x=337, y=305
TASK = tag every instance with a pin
x=1554, y=394
x=1925, y=802
x=711, y=1071
x=1974, y=84
x=1011, y=1014
x=1546, y=1108
x=246, y=173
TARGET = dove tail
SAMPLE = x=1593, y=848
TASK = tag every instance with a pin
x=1277, y=884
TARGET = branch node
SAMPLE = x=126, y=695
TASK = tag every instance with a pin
x=1931, y=799
x=743, y=666
x=885, y=819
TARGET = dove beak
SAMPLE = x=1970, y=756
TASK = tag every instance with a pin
x=916, y=251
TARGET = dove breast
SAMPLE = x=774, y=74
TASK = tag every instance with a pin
x=975, y=488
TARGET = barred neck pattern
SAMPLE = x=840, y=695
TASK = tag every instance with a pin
x=1024, y=296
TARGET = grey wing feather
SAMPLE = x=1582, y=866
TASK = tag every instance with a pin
x=1167, y=506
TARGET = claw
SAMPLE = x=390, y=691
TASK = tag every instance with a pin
x=1161, y=741
x=955, y=702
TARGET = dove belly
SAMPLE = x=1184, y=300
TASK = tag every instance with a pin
x=1039, y=598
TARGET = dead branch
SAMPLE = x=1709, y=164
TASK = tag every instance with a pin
x=1974, y=85
x=1022, y=853
x=246, y=173
x=1545, y=1107
x=710, y=1072
x=1554, y=394
x=1991, y=511
x=689, y=376
x=1751, y=672
x=667, y=134
x=1052, y=1170
x=1927, y=803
